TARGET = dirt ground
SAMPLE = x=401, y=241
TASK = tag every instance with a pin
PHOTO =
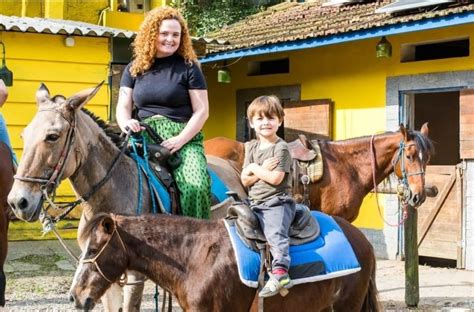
x=39, y=275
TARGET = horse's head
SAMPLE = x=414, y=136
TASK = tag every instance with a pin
x=410, y=160
x=102, y=263
x=49, y=155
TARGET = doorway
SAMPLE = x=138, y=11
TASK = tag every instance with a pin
x=439, y=218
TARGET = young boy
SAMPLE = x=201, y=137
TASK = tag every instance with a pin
x=267, y=174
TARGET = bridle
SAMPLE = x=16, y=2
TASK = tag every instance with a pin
x=49, y=185
x=122, y=281
x=53, y=181
x=404, y=191
x=403, y=188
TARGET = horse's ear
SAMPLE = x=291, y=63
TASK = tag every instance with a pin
x=42, y=94
x=78, y=100
x=108, y=224
x=424, y=129
x=404, y=131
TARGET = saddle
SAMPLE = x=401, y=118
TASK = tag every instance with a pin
x=304, y=227
x=307, y=166
x=161, y=161
x=302, y=149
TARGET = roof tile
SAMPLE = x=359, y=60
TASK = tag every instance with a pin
x=296, y=21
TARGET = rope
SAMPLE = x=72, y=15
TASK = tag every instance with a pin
x=373, y=165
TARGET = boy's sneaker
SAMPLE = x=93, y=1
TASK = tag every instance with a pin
x=274, y=284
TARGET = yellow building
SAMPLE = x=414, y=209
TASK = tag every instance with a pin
x=67, y=56
x=327, y=53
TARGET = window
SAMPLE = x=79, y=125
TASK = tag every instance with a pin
x=435, y=50
x=280, y=66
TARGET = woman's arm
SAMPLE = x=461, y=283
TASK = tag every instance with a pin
x=124, y=111
x=3, y=93
x=200, y=105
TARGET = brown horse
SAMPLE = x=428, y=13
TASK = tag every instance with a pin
x=349, y=166
x=194, y=260
x=63, y=141
x=6, y=181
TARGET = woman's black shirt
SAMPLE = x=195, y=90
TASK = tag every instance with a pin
x=163, y=89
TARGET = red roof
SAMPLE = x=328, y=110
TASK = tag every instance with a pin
x=288, y=22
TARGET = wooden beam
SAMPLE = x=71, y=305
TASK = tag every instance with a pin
x=412, y=289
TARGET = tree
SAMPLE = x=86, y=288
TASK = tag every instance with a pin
x=205, y=16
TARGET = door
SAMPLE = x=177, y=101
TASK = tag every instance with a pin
x=440, y=223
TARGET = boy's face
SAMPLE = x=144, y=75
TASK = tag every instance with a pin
x=265, y=126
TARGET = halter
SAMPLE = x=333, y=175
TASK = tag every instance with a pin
x=123, y=281
x=51, y=183
x=403, y=191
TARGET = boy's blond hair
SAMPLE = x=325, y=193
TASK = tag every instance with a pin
x=266, y=105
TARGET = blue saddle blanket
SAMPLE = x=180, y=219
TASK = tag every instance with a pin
x=329, y=256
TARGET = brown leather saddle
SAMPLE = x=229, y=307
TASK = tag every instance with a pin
x=302, y=149
x=304, y=227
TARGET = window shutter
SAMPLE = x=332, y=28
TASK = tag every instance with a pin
x=312, y=118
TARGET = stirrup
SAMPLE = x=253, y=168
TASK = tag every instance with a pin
x=275, y=286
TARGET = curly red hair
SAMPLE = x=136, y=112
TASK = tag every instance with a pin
x=144, y=45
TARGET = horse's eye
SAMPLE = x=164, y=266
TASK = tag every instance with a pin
x=91, y=252
x=52, y=137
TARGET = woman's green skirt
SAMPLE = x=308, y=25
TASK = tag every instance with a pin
x=192, y=179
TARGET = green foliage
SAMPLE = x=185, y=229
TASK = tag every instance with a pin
x=207, y=16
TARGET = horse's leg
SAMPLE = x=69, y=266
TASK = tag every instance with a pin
x=112, y=299
x=359, y=288
x=132, y=294
x=6, y=181
x=3, y=250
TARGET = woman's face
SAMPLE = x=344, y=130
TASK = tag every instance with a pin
x=169, y=37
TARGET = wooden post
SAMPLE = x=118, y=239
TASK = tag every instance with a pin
x=412, y=291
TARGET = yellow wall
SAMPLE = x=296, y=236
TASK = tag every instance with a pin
x=123, y=20
x=84, y=11
x=36, y=58
x=349, y=74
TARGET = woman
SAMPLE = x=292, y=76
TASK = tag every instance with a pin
x=4, y=137
x=166, y=84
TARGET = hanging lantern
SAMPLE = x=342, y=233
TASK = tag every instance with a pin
x=5, y=74
x=383, y=48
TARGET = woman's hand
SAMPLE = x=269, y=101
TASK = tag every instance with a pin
x=174, y=144
x=133, y=125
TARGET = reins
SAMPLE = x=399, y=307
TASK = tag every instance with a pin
x=49, y=185
x=402, y=192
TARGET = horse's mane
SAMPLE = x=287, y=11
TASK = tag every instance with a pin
x=108, y=130
x=424, y=143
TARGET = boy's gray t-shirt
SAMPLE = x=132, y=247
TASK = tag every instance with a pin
x=261, y=190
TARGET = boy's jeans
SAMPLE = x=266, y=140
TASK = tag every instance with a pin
x=275, y=217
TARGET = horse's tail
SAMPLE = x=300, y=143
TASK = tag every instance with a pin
x=371, y=302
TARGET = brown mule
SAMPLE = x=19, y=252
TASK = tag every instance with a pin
x=194, y=260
